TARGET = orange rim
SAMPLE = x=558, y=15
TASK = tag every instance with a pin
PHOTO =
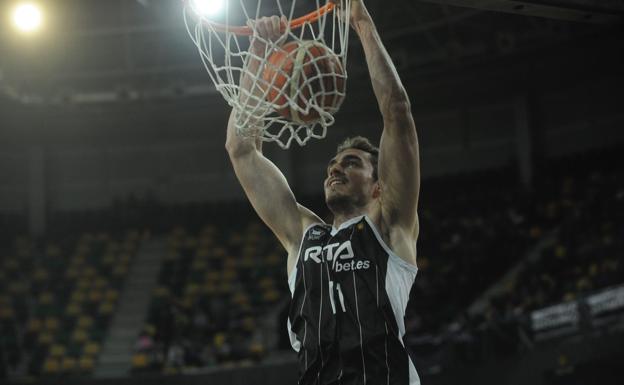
x=294, y=24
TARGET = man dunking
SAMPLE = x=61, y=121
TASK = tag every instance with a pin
x=350, y=281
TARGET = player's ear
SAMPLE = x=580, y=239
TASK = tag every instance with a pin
x=376, y=189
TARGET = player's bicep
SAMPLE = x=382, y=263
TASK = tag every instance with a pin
x=399, y=168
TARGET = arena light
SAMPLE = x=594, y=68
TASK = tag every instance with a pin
x=27, y=17
x=208, y=7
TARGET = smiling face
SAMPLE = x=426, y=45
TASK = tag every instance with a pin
x=350, y=183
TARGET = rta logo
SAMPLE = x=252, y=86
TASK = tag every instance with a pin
x=333, y=253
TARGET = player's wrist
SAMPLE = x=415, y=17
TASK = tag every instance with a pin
x=359, y=13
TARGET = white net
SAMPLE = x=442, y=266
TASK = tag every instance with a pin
x=291, y=89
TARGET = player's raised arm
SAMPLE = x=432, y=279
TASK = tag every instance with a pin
x=399, y=165
x=264, y=184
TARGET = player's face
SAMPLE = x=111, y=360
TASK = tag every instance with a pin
x=350, y=179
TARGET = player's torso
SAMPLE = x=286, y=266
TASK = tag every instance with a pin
x=341, y=316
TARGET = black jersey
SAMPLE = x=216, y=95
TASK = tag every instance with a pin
x=346, y=320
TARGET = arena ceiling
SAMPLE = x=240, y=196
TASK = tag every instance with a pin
x=140, y=48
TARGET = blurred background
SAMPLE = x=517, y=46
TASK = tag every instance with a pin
x=128, y=252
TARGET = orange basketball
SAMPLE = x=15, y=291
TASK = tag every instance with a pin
x=299, y=72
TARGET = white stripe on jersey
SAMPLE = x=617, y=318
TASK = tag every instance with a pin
x=385, y=324
x=357, y=313
x=400, y=276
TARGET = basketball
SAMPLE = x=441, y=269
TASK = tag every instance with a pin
x=306, y=74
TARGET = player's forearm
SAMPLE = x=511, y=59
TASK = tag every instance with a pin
x=389, y=91
x=250, y=91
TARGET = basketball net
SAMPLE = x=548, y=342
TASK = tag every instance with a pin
x=223, y=43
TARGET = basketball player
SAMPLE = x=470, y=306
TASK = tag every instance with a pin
x=349, y=280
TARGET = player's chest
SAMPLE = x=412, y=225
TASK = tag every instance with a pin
x=348, y=250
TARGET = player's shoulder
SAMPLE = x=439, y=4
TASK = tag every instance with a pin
x=308, y=218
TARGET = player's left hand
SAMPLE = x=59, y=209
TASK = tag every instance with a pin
x=267, y=30
x=358, y=9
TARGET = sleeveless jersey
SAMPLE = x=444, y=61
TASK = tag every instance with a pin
x=346, y=319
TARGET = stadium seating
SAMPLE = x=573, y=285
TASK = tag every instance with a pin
x=56, y=300
x=590, y=239
x=222, y=285
x=214, y=288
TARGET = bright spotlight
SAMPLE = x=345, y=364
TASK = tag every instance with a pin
x=208, y=7
x=27, y=17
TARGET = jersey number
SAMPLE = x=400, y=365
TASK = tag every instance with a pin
x=340, y=296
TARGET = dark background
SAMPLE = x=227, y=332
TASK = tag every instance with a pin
x=109, y=124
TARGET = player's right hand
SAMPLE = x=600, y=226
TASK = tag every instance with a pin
x=267, y=30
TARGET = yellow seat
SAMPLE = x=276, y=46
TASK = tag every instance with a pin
x=73, y=309
x=124, y=258
x=225, y=288
x=19, y=288
x=190, y=242
x=78, y=296
x=72, y=272
x=256, y=348
x=209, y=288
x=46, y=298
x=274, y=259
x=111, y=295
x=198, y=265
x=139, y=361
x=92, y=348
x=11, y=264
x=102, y=236
x=169, y=370
x=161, y=291
x=267, y=283
x=229, y=274
x=40, y=275
x=95, y=295
x=86, y=363
x=68, y=364
x=80, y=335
x=45, y=338
x=6, y=313
x=100, y=283
x=57, y=351
x=51, y=323
x=240, y=298
x=85, y=322
x=51, y=365
x=106, y=308
x=53, y=250
x=249, y=324
x=120, y=270
x=270, y=295
x=219, y=340
x=34, y=325
x=83, y=283
x=150, y=329
x=108, y=259
x=90, y=273
x=191, y=289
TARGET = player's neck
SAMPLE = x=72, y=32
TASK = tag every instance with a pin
x=346, y=214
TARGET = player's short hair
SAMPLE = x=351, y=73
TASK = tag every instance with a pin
x=361, y=143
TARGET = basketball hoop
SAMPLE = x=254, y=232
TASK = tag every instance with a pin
x=302, y=80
